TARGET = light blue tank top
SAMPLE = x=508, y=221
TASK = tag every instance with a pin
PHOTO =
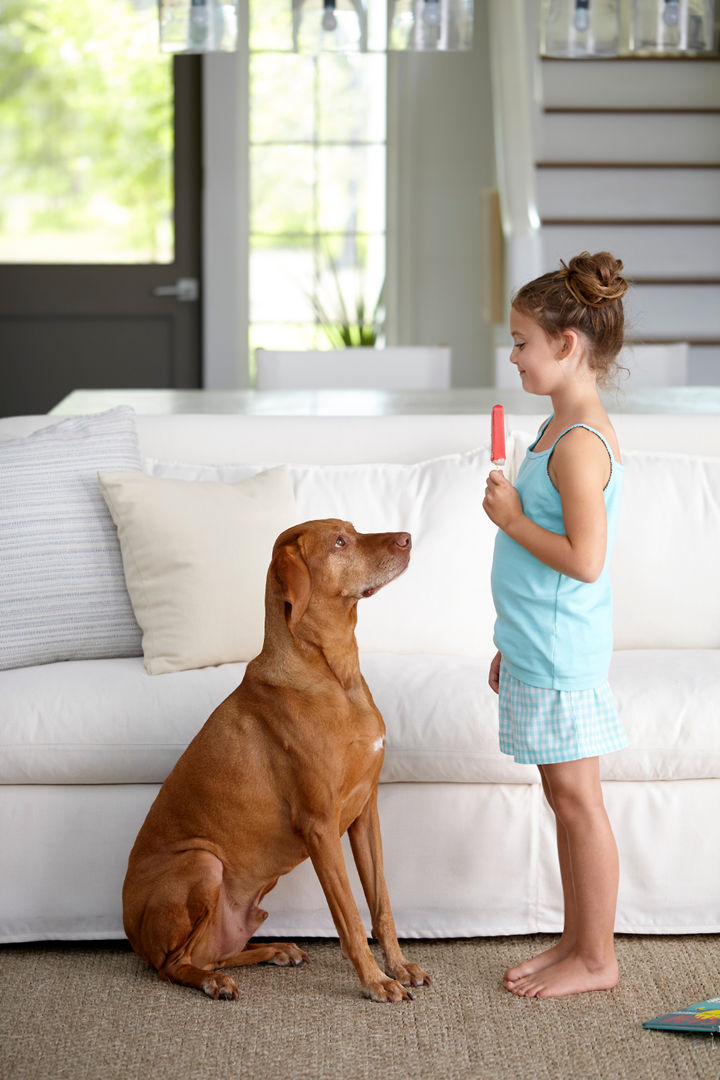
x=552, y=630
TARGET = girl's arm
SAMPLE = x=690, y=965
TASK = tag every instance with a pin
x=579, y=468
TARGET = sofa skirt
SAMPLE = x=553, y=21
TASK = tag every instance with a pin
x=461, y=860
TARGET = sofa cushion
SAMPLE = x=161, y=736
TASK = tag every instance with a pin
x=442, y=718
x=108, y=721
x=665, y=569
x=669, y=701
x=62, y=589
x=196, y=558
x=103, y=721
x=664, y=565
x=442, y=604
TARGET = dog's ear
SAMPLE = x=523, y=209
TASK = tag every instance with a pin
x=292, y=573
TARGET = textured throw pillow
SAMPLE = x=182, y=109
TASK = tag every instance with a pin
x=442, y=603
x=196, y=558
x=62, y=589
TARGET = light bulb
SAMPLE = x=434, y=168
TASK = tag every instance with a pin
x=431, y=13
x=329, y=18
x=582, y=16
x=671, y=14
x=199, y=25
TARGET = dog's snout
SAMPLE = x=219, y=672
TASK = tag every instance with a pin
x=402, y=540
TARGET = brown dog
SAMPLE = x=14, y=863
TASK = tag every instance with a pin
x=283, y=767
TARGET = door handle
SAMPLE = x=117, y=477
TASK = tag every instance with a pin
x=185, y=289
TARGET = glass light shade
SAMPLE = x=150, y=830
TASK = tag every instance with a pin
x=329, y=26
x=431, y=25
x=198, y=26
x=672, y=26
x=579, y=28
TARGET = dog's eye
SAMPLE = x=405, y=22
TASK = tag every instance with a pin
x=340, y=542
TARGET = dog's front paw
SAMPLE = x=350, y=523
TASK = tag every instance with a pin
x=221, y=987
x=386, y=989
x=408, y=974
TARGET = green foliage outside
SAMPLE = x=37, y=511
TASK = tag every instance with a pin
x=348, y=324
x=86, y=105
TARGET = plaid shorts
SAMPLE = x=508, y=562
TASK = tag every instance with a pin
x=540, y=726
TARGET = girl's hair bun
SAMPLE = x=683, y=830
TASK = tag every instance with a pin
x=585, y=294
x=594, y=280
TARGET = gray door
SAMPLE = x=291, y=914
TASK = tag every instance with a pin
x=99, y=291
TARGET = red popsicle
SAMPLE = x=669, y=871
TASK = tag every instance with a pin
x=497, y=453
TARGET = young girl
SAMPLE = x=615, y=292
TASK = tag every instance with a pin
x=552, y=597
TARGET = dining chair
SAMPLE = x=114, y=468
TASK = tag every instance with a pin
x=401, y=367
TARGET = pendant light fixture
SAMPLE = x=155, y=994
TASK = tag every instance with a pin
x=430, y=25
x=373, y=25
x=339, y=26
x=324, y=26
x=198, y=26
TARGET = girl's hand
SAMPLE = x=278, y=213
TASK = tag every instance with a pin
x=494, y=677
x=502, y=504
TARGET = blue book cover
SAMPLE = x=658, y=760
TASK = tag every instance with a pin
x=705, y=1016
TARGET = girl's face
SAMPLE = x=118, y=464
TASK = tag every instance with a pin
x=535, y=355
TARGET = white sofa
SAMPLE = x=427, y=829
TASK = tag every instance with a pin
x=469, y=842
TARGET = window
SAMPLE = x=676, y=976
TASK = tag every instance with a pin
x=317, y=188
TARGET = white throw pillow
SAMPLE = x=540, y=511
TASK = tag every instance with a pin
x=196, y=558
x=665, y=567
x=442, y=603
x=62, y=589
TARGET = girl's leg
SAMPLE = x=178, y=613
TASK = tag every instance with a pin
x=590, y=964
x=566, y=943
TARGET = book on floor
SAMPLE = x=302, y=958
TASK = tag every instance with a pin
x=705, y=1016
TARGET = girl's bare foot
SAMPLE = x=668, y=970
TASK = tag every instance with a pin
x=557, y=952
x=573, y=975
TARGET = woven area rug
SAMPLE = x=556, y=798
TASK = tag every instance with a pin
x=96, y=1012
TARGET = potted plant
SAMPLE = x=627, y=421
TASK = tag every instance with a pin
x=349, y=325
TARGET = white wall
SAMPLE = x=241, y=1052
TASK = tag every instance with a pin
x=225, y=225
x=440, y=161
